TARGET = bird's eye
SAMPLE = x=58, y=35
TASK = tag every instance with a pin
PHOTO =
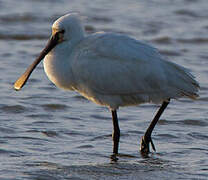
x=62, y=31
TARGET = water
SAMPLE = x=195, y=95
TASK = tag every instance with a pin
x=47, y=133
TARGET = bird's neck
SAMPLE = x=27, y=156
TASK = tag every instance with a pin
x=76, y=38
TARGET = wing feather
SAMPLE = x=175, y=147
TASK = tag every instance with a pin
x=111, y=64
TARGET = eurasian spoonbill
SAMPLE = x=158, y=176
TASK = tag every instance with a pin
x=113, y=70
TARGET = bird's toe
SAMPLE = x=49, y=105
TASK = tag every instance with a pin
x=114, y=157
x=145, y=145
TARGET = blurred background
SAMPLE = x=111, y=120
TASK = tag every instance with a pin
x=47, y=133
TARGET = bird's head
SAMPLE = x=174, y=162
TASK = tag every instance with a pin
x=66, y=28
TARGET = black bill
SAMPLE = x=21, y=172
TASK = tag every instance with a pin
x=24, y=77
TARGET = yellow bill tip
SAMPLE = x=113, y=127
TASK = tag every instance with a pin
x=17, y=86
x=20, y=82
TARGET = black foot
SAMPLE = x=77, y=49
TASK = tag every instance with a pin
x=145, y=141
x=114, y=157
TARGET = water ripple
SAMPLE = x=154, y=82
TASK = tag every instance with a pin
x=50, y=133
x=170, y=53
x=100, y=19
x=102, y=137
x=88, y=146
x=14, y=109
x=197, y=135
x=54, y=107
x=162, y=40
x=193, y=122
x=190, y=122
x=16, y=18
x=23, y=37
x=7, y=130
x=186, y=12
x=196, y=40
x=146, y=170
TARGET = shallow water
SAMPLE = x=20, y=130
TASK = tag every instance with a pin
x=47, y=133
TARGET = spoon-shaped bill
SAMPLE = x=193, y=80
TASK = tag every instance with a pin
x=24, y=77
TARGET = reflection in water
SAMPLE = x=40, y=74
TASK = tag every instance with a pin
x=124, y=169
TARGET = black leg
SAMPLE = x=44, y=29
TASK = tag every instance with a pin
x=116, y=132
x=146, y=139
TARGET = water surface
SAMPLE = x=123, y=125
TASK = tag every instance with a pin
x=47, y=133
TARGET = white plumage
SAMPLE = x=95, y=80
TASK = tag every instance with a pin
x=113, y=69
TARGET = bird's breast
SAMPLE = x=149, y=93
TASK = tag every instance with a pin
x=58, y=69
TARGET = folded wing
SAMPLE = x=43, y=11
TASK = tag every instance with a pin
x=114, y=64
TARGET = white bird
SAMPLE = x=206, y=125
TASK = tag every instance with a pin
x=112, y=70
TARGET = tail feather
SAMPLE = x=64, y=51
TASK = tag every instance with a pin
x=184, y=81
